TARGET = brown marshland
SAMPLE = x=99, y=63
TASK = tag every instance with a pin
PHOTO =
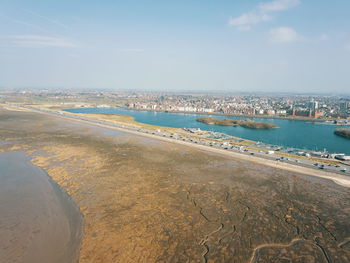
x=144, y=200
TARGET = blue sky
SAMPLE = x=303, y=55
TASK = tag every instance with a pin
x=270, y=46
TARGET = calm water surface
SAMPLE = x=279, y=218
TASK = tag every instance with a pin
x=38, y=221
x=291, y=133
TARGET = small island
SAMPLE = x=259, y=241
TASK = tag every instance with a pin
x=246, y=123
x=343, y=133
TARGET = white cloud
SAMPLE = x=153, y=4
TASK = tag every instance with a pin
x=261, y=13
x=278, y=5
x=245, y=21
x=39, y=41
x=283, y=35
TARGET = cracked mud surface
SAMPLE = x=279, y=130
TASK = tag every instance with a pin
x=163, y=202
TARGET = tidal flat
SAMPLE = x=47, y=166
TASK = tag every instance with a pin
x=165, y=202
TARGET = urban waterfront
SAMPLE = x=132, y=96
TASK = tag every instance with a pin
x=291, y=133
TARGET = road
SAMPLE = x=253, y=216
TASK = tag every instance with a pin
x=309, y=167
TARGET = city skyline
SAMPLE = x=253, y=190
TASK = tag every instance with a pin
x=261, y=46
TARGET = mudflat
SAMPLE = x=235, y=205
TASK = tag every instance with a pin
x=146, y=200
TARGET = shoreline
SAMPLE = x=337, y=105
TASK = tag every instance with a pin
x=307, y=151
x=237, y=141
x=276, y=144
x=336, y=178
x=75, y=206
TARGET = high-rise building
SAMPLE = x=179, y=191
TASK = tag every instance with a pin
x=313, y=105
x=344, y=105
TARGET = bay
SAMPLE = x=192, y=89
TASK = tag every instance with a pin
x=315, y=136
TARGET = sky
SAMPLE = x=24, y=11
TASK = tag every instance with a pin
x=300, y=46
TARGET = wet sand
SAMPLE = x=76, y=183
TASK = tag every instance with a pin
x=38, y=222
x=157, y=201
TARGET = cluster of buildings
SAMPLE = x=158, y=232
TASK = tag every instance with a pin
x=313, y=106
x=298, y=106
